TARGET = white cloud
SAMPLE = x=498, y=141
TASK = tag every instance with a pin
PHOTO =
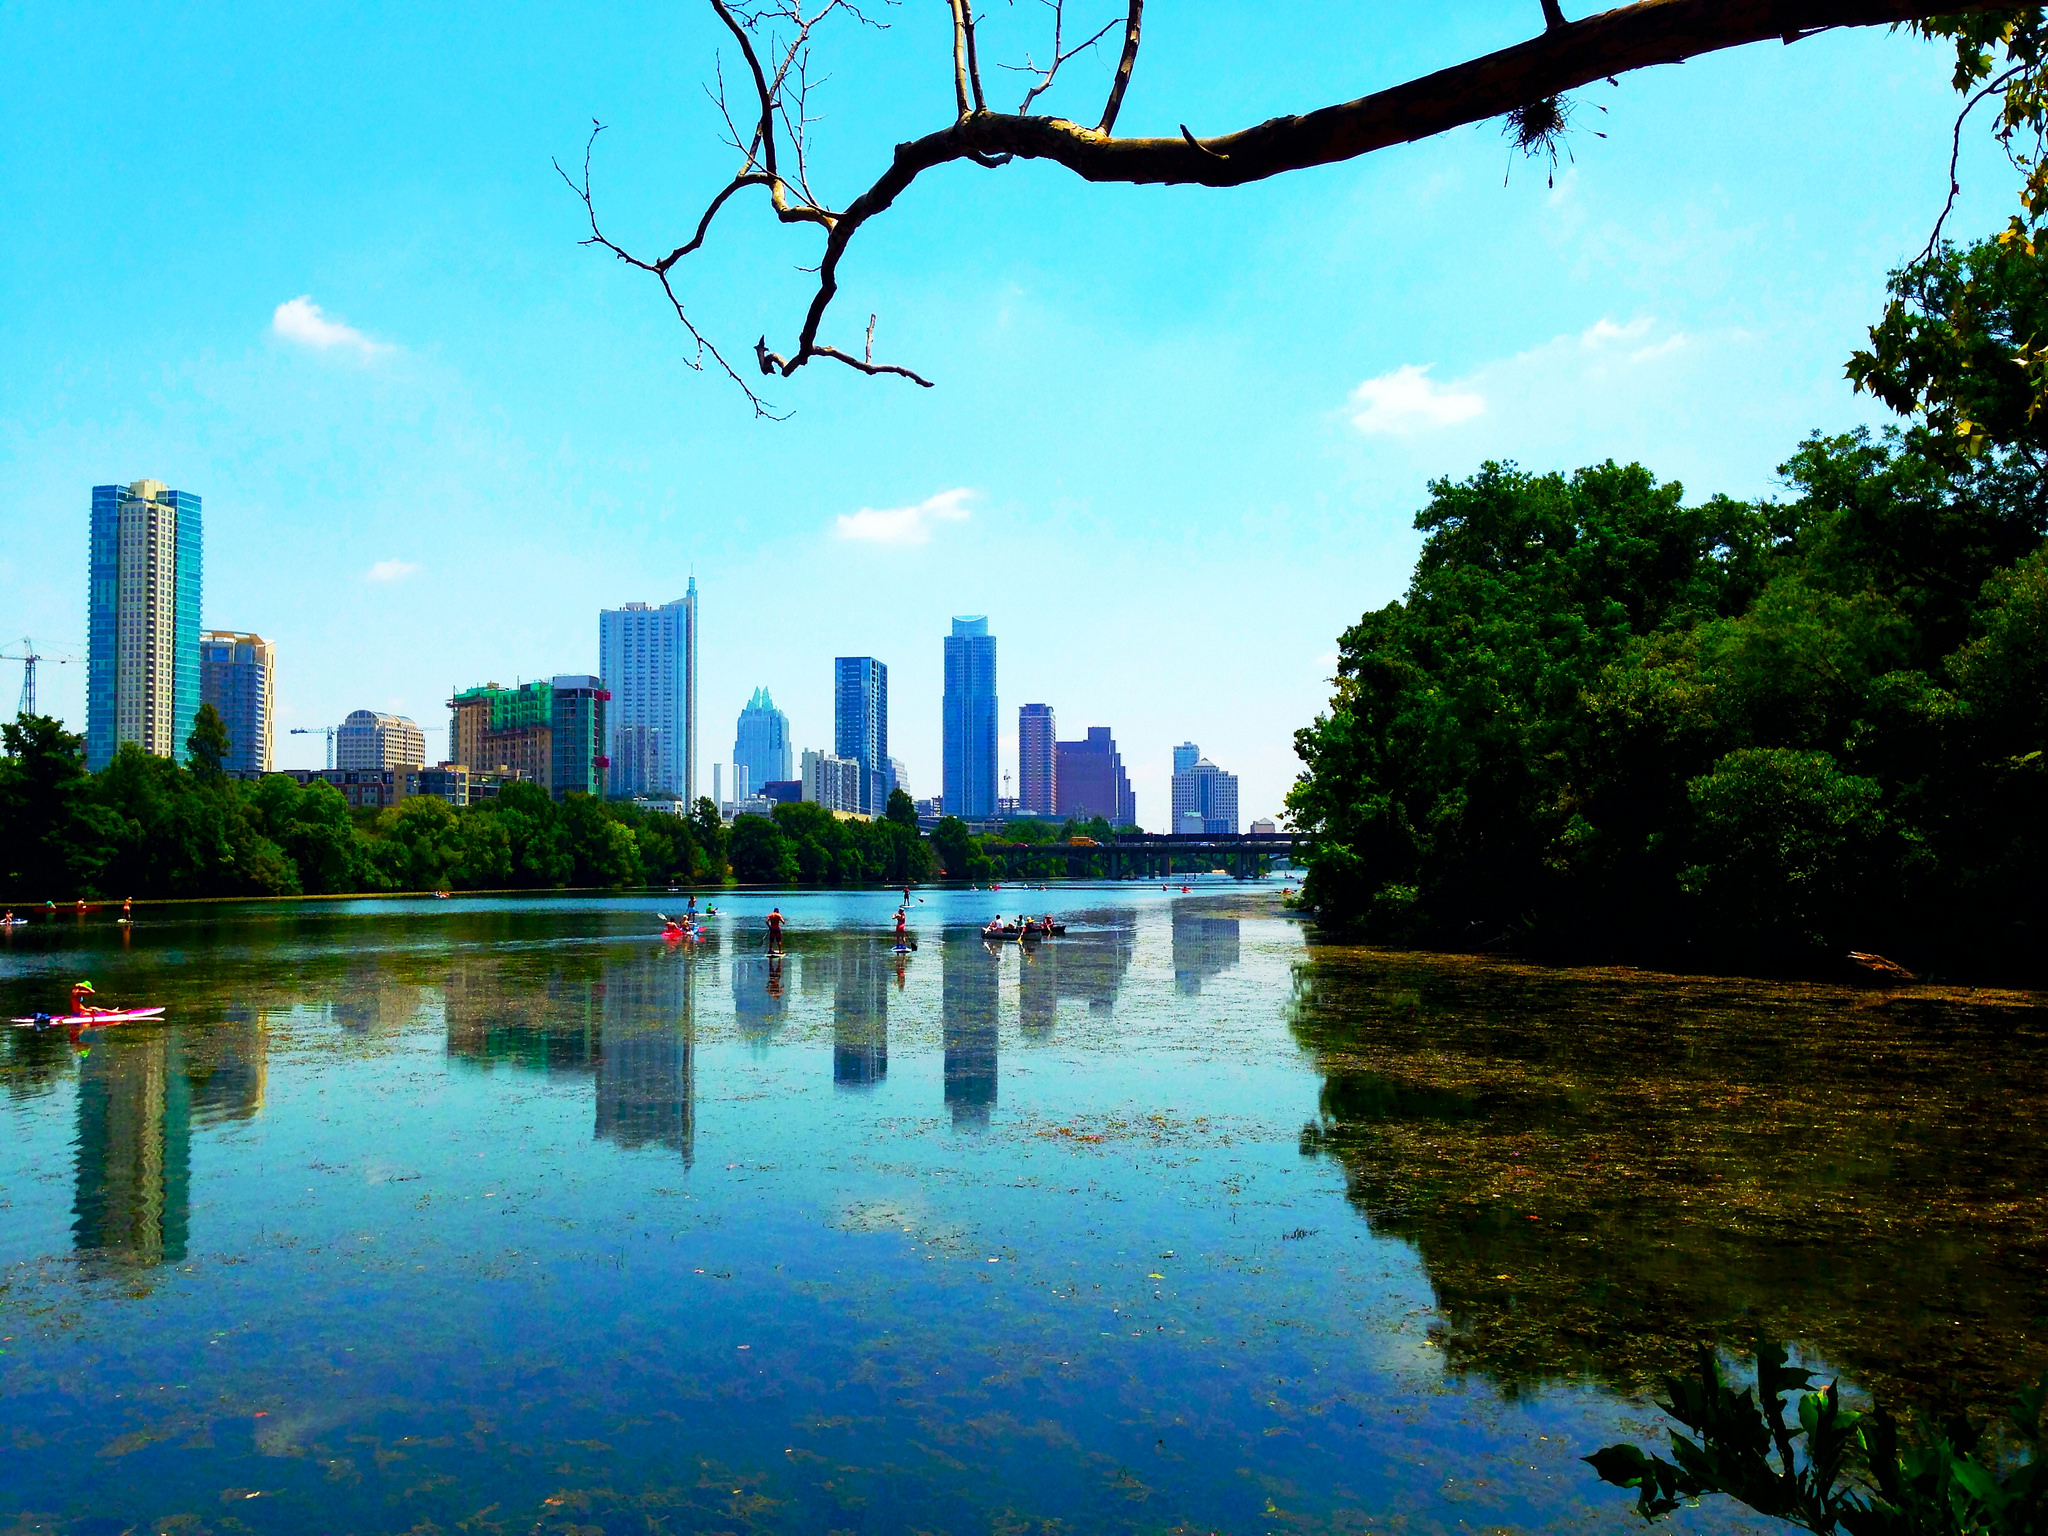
x=300, y=320
x=390, y=570
x=1408, y=401
x=905, y=525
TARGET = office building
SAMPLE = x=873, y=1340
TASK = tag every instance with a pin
x=860, y=725
x=647, y=660
x=969, y=734
x=834, y=782
x=1092, y=782
x=578, y=707
x=142, y=600
x=237, y=676
x=1037, y=760
x=368, y=739
x=1203, y=791
x=1265, y=827
x=761, y=745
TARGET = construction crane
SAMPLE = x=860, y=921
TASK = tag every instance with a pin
x=28, y=657
x=319, y=730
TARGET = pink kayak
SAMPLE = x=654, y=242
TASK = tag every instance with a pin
x=66, y=1020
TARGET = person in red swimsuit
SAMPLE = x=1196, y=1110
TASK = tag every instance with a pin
x=78, y=1006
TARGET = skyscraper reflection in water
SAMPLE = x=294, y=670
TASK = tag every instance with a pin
x=760, y=1006
x=1202, y=946
x=860, y=1014
x=645, y=1069
x=1088, y=964
x=972, y=981
x=134, y=1190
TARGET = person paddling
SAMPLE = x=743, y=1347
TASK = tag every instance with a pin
x=902, y=929
x=78, y=1007
x=775, y=928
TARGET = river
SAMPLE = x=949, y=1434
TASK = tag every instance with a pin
x=507, y=1216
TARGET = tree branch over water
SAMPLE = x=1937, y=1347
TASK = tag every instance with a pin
x=775, y=40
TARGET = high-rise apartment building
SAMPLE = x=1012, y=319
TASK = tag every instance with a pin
x=761, y=745
x=860, y=725
x=1038, y=759
x=237, y=676
x=1092, y=781
x=142, y=601
x=833, y=782
x=578, y=707
x=1204, y=796
x=970, y=720
x=502, y=729
x=647, y=660
x=368, y=739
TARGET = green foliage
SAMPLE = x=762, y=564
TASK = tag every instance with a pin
x=1828, y=1468
x=902, y=809
x=1603, y=723
x=207, y=746
x=803, y=843
x=149, y=827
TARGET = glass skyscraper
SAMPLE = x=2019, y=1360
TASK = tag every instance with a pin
x=237, y=676
x=969, y=788
x=142, y=603
x=760, y=748
x=860, y=724
x=647, y=658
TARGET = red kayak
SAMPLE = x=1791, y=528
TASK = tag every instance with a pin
x=67, y=1020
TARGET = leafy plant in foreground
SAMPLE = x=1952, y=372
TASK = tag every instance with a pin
x=1854, y=1472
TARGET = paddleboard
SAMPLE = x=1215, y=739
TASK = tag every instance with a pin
x=66, y=1020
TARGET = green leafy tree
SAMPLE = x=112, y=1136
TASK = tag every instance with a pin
x=954, y=846
x=49, y=834
x=207, y=746
x=1826, y=1467
x=902, y=809
x=760, y=854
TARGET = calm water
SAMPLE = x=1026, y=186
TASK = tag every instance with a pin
x=507, y=1217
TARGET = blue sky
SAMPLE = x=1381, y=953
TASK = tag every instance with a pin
x=312, y=262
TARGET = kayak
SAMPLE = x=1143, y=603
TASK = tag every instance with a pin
x=113, y=1016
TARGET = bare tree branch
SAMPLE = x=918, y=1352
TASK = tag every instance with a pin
x=1955, y=155
x=1058, y=57
x=1124, y=66
x=1564, y=57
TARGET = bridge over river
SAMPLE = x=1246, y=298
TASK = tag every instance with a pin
x=1150, y=855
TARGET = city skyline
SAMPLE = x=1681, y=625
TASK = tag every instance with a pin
x=375, y=431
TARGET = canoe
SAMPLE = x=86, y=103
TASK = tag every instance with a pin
x=66, y=1020
x=1009, y=931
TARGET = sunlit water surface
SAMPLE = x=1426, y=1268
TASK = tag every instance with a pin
x=507, y=1216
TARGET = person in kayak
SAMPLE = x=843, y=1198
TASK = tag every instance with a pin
x=78, y=1007
x=775, y=928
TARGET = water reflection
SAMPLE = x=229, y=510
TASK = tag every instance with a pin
x=627, y=1023
x=645, y=1081
x=861, y=973
x=760, y=1003
x=1088, y=964
x=972, y=987
x=1602, y=1170
x=133, y=1199
x=1203, y=946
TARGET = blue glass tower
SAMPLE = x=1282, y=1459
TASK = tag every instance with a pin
x=860, y=720
x=970, y=720
x=761, y=744
x=142, y=600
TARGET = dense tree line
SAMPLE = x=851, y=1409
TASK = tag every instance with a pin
x=805, y=844
x=147, y=826
x=1603, y=722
